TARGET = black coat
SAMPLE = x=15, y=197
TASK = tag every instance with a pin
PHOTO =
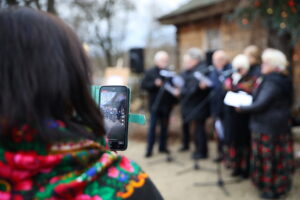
x=192, y=96
x=166, y=101
x=216, y=101
x=255, y=71
x=236, y=124
x=270, y=111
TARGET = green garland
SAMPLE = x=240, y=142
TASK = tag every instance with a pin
x=280, y=15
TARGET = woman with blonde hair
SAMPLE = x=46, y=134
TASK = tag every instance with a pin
x=237, y=133
x=253, y=53
x=272, y=162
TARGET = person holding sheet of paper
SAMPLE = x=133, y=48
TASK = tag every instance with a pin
x=221, y=65
x=272, y=160
x=237, y=133
x=160, y=101
x=193, y=101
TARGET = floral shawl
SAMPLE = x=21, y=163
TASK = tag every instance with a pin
x=82, y=170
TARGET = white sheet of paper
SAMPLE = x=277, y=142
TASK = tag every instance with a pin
x=238, y=99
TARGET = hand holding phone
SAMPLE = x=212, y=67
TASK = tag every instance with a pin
x=114, y=105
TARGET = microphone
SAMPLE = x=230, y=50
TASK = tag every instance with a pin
x=167, y=73
x=225, y=74
x=210, y=68
x=200, y=77
x=228, y=72
x=206, y=69
x=178, y=81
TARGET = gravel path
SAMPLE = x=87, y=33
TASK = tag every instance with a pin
x=174, y=186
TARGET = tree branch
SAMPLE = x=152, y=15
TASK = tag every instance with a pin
x=51, y=7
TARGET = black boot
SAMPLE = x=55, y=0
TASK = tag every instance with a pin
x=236, y=172
x=196, y=156
x=164, y=151
x=218, y=159
x=245, y=174
x=148, y=154
x=269, y=196
x=183, y=149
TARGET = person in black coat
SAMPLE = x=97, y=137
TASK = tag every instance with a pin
x=221, y=70
x=160, y=102
x=194, y=103
x=272, y=161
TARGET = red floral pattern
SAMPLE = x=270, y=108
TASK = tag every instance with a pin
x=126, y=165
x=69, y=170
x=270, y=178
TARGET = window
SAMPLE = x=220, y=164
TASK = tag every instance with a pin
x=212, y=39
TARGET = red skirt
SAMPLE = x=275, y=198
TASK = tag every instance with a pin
x=272, y=163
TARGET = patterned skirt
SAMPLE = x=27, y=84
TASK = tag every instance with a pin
x=236, y=157
x=272, y=163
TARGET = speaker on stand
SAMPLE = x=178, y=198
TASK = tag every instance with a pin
x=136, y=60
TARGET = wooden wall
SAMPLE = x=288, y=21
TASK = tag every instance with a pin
x=296, y=76
x=233, y=39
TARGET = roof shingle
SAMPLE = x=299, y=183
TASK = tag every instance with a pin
x=190, y=6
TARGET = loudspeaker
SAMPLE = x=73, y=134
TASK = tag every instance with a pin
x=136, y=59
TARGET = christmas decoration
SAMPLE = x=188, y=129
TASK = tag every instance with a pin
x=281, y=15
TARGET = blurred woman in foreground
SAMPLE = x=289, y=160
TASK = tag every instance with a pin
x=272, y=161
x=53, y=142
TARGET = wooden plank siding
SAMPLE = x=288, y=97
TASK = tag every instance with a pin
x=193, y=28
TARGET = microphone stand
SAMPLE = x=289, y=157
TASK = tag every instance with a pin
x=220, y=181
x=196, y=165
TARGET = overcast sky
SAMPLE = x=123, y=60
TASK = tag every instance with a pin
x=142, y=22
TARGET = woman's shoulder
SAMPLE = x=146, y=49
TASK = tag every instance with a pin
x=124, y=179
x=76, y=170
x=279, y=81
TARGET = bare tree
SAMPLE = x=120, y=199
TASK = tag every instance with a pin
x=104, y=25
x=49, y=7
x=12, y=2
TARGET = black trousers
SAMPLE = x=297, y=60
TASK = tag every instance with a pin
x=163, y=120
x=200, y=138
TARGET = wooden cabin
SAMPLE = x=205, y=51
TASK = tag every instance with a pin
x=205, y=24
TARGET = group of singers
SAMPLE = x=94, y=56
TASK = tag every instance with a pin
x=253, y=140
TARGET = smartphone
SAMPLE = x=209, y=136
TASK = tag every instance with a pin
x=114, y=105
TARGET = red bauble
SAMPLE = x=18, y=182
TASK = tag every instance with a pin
x=257, y=3
x=292, y=3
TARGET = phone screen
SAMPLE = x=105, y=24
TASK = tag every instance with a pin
x=115, y=107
